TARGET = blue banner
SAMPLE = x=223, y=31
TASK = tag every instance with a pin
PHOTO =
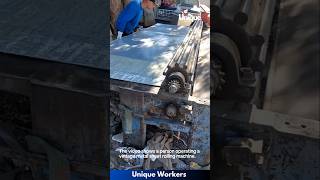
x=159, y=174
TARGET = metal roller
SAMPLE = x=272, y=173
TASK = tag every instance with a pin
x=180, y=70
x=249, y=35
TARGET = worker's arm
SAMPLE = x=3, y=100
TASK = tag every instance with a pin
x=126, y=15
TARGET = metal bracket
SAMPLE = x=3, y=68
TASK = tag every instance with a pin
x=285, y=123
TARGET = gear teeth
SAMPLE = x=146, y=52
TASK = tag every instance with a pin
x=177, y=86
x=217, y=70
x=174, y=81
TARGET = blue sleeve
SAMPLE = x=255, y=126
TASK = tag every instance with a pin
x=126, y=15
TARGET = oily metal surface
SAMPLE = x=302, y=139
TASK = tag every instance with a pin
x=72, y=32
x=143, y=56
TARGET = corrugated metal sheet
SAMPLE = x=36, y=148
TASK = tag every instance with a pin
x=143, y=56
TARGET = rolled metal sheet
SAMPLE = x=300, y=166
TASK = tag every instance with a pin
x=143, y=56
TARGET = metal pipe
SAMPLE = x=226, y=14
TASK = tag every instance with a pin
x=265, y=27
x=185, y=59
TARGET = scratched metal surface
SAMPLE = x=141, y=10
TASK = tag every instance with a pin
x=72, y=31
x=143, y=56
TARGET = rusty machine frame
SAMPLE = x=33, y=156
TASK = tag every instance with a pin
x=250, y=142
x=161, y=97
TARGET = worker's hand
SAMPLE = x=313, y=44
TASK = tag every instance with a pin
x=119, y=35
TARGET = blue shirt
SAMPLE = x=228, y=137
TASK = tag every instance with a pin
x=130, y=17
